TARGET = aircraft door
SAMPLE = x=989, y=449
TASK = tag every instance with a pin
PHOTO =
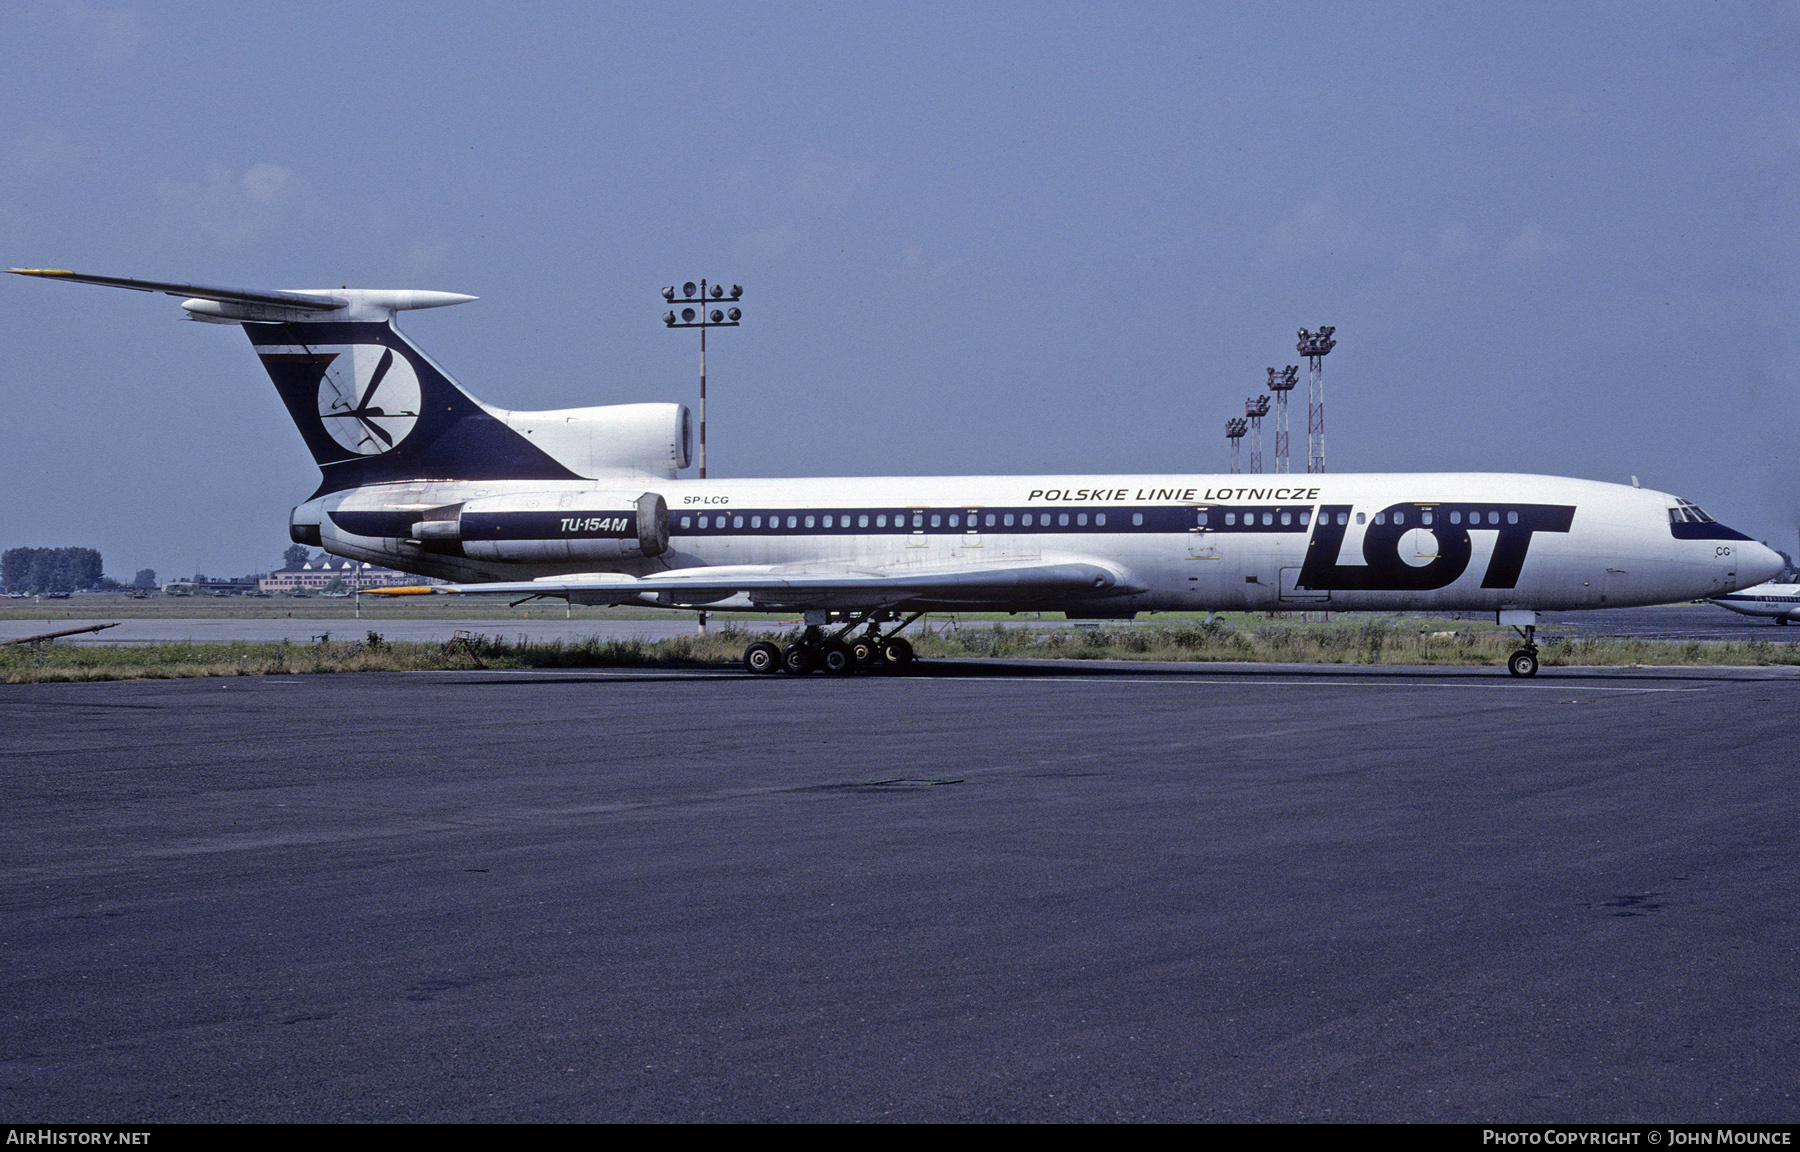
x=1201, y=572
x=1291, y=592
x=1202, y=544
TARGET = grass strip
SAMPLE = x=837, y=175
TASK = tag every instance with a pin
x=1373, y=640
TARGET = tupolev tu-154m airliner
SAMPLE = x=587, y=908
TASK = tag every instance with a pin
x=584, y=504
x=1780, y=601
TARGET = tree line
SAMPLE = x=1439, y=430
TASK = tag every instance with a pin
x=50, y=570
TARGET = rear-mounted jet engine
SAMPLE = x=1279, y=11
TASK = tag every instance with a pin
x=548, y=527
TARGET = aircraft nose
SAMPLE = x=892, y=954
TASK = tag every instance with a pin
x=1757, y=564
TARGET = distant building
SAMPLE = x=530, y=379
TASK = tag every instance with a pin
x=212, y=586
x=317, y=574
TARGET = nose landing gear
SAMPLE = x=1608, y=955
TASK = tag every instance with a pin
x=1524, y=662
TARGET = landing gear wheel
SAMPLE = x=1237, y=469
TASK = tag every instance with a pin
x=865, y=650
x=896, y=653
x=1522, y=663
x=798, y=659
x=835, y=657
x=762, y=658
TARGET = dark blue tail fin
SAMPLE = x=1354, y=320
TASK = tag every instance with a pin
x=374, y=409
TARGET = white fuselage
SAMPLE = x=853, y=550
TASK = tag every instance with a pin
x=1781, y=601
x=1463, y=541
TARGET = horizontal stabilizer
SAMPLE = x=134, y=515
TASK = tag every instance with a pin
x=307, y=301
x=237, y=305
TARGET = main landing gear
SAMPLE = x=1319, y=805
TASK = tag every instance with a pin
x=834, y=655
x=1524, y=662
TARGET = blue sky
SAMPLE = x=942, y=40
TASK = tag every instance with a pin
x=973, y=238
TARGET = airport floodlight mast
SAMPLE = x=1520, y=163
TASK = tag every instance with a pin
x=702, y=318
x=1256, y=407
x=1234, y=436
x=1281, y=383
x=1314, y=346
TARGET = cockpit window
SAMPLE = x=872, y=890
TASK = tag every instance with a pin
x=1687, y=512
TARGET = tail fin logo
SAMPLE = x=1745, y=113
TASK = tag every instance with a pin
x=369, y=398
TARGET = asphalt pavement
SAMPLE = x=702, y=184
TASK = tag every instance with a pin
x=988, y=891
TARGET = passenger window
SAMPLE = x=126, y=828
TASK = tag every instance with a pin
x=936, y=520
x=1081, y=519
x=1007, y=519
x=687, y=521
x=1305, y=518
x=1342, y=519
x=862, y=521
x=1100, y=519
x=1268, y=518
x=918, y=520
x=756, y=521
x=1399, y=517
x=793, y=522
x=1380, y=517
x=702, y=521
x=1493, y=517
x=955, y=521
x=809, y=521
x=1359, y=518
x=1062, y=520
x=881, y=521
x=1512, y=517
x=737, y=521
x=1230, y=518
x=990, y=519
x=1425, y=519
x=1137, y=519
x=1456, y=517
x=1287, y=517
x=1203, y=516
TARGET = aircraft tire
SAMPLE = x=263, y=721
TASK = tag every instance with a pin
x=798, y=660
x=896, y=653
x=866, y=651
x=836, y=659
x=762, y=658
x=1522, y=663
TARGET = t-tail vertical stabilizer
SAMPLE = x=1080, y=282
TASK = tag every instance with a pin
x=374, y=409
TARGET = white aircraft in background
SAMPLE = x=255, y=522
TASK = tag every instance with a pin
x=584, y=504
x=1782, y=601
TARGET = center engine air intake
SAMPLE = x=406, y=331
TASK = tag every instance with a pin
x=549, y=527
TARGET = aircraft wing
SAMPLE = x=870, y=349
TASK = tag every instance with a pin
x=816, y=585
x=306, y=301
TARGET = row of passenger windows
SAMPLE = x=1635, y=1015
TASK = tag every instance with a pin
x=1303, y=517
x=1204, y=519
x=975, y=520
